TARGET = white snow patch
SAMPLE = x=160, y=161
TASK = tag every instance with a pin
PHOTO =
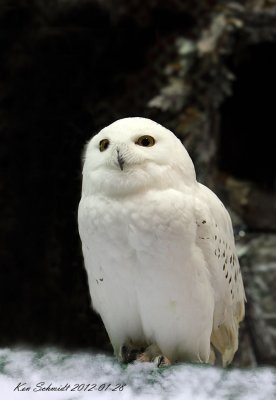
x=141, y=381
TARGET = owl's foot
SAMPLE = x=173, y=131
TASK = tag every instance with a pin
x=153, y=354
x=130, y=353
x=162, y=361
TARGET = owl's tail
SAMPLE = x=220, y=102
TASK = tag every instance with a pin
x=225, y=338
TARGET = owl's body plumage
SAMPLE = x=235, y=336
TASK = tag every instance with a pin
x=158, y=246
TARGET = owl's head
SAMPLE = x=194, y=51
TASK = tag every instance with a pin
x=135, y=154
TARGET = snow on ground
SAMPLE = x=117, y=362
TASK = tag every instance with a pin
x=87, y=376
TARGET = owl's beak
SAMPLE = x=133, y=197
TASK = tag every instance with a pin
x=120, y=159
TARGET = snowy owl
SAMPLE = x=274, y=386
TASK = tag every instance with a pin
x=158, y=248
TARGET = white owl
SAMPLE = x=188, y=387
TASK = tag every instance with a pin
x=158, y=248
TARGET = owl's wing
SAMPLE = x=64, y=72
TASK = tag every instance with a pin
x=216, y=240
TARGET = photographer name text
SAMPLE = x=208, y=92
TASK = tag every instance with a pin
x=67, y=387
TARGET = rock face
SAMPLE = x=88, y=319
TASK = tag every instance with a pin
x=258, y=259
x=205, y=71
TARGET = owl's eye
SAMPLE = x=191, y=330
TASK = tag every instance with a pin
x=103, y=145
x=145, y=141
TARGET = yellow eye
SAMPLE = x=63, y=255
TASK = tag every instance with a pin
x=145, y=141
x=103, y=145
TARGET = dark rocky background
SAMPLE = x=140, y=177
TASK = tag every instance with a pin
x=68, y=68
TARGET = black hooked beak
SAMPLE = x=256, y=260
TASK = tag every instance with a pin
x=120, y=159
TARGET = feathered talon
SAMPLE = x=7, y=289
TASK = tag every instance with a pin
x=162, y=361
x=129, y=353
x=153, y=354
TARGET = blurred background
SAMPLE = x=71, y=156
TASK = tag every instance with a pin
x=204, y=69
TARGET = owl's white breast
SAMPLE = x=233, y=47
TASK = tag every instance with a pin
x=147, y=278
